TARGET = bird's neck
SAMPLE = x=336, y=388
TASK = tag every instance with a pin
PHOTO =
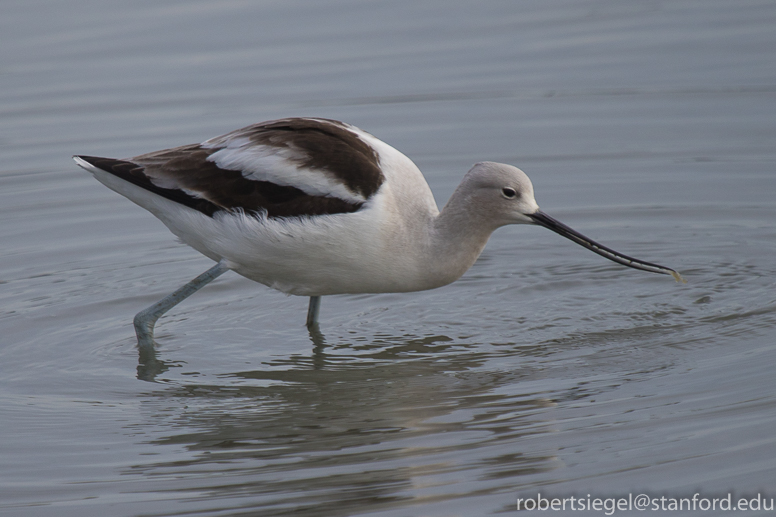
x=458, y=237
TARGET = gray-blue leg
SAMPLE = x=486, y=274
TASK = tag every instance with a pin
x=146, y=319
x=312, y=311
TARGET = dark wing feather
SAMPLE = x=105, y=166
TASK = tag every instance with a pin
x=323, y=145
x=186, y=176
x=135, y=174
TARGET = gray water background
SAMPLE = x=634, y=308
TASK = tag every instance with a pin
x=649, y=126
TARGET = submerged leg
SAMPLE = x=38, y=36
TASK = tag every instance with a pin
x=146, y=319
x=313, y=310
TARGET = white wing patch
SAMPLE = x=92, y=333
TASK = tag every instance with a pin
x=278, y=165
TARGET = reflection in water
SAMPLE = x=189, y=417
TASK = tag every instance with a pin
x=149, y=366
x=319, y=346
x=388, y=423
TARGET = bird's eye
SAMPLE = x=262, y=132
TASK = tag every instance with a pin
x=509, y=192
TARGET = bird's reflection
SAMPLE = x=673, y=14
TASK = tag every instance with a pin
x=362, y=423
x=319, y=346
x=149, y=366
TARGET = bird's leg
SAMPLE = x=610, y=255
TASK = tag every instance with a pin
x=312, y=312
x=146, y=319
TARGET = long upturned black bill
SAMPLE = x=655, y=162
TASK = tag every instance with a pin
x=558, y=227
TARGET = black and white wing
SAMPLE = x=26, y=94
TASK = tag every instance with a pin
x=292, y=167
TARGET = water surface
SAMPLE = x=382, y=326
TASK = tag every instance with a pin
x=648, y=126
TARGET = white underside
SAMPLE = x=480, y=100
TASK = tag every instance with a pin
x=384, y=247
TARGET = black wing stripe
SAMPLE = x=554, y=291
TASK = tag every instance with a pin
x=217, y=189
x=134, y=173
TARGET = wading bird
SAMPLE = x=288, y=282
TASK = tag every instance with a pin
x=314, y=207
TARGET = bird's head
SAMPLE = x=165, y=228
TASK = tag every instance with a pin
x=503, y=194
